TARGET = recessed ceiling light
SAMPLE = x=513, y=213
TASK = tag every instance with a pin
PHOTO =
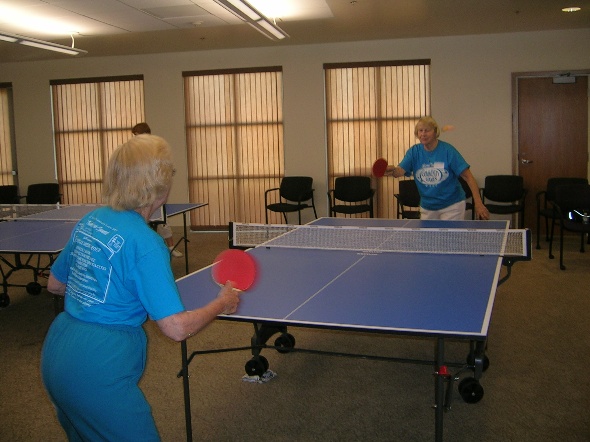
x=571, y=9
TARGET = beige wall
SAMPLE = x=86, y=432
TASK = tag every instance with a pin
x=471, y=89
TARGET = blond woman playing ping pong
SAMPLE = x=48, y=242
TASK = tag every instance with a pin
x=436, y=166
x=115, y=272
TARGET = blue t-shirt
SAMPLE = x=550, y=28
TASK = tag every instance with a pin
x=436, y=174
x=117, y=270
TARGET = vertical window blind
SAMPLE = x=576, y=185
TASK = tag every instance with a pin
x=91, y=117
x=371, y=111
x=6, y=135
x=234, y=137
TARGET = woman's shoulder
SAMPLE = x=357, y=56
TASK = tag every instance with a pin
x=121, y=220
x=415, y=150
x=446, y=145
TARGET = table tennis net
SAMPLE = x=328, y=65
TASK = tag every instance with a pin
x=15, y=211
x=383, y=239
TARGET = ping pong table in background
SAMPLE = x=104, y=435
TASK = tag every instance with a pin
x=30, y=232
x=389, y=280
x=170, y=210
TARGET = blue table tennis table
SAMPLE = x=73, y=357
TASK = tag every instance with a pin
x=170, y=210
x=29, y=232
x=435, y=295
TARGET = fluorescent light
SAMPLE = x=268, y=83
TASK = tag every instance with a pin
x=248, y=13
x=42, y=44
x=64, y=49
x=246, y=9
x=278, y=33
x=8, y=38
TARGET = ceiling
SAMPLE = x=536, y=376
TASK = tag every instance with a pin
x=125, y=27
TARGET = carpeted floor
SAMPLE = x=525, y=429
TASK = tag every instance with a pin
x=537, y=387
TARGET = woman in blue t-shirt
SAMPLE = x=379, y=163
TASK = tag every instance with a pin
x=436, y=166
x=115, y=272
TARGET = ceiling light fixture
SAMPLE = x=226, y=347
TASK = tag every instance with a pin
x=246, y=12
x=41, y=44
x=571, y=9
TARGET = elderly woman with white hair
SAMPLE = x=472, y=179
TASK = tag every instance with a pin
x=436, y=166
x=115, y=272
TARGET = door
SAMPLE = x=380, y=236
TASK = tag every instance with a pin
x=552, y=133
x=7, y=145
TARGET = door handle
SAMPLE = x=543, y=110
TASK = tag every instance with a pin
x=526, y=161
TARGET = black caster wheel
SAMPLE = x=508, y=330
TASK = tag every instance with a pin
x=33, y=288
x=486, y=361
x=285, y=343
x=256, y=367
x=470, y=390
x=4, y=300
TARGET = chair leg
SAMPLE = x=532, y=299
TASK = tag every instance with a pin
x=266, y=216
x=551, y=239
x=561, y=266
x=539, y=231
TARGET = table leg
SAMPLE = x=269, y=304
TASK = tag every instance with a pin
x=187, y=396
x=439, y=390
x=185, y=242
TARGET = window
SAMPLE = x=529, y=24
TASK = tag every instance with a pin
x=91, y=117
x=234, y=137
x=371, y=111
x=7, y=160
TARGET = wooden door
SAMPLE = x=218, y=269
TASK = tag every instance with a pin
x=552, y=134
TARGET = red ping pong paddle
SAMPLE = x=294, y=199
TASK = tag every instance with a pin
x=236, y=266
x=379, y=167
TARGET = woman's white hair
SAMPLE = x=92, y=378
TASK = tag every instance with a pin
x=139, y=172
x=430, y=122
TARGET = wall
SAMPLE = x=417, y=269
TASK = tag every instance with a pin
x=471, y=89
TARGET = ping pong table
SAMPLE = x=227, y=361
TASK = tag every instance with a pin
x=169, y=210
x=30, y=232
x=392, y=284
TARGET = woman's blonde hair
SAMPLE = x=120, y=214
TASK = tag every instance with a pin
x=430, y=122
x=139, y=172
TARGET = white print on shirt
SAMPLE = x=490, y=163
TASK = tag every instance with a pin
x=432, y=174
x=95, y=243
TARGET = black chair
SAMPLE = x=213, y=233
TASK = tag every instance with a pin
x=294, y=195
x=351, y=195
x=572, y=210
x=408, y=200
x=546, y=197
x=469, y=205
x=43, y=193
x=9, y=194
x=507, y=194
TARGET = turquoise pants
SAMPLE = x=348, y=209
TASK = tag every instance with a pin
x=91, y=373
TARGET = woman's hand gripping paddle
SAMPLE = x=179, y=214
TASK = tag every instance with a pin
x=236, y=266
